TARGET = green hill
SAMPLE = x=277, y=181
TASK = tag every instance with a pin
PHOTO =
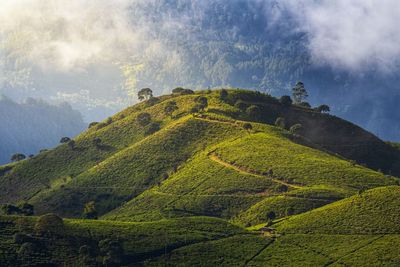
x=376, y=211
x=146, y=169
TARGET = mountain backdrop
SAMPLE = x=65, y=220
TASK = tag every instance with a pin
x=34, y=125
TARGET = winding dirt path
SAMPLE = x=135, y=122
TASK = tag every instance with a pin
x=220, y=161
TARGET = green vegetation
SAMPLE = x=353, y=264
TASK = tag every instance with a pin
x=376, y=211
x=149, y=175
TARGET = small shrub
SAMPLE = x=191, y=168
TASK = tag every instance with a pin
x=64, y=140
x=201, y=103
x=253, y=111
x=323, y=109
x=26, y=209
x=152, y=128
x=247, y=126
x=305, y=104
x=111, y=251
x=49, y=225
x=8, y=209
x=170, y=108
x=281, y=188
x=241, y=105
x=223, y=94
x=152, y=101
x=271, y=216
x=182, y=91
x=71, y=144
x=89, y=211
x=195, y=109
x=96, y=141
x=143, y=119
x=26, y=250
x=286, y=100
x=22, y=238
x=92, y=124
x=18, y=157
x=280, y=122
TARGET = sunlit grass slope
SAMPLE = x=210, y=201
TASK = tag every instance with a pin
x=136, y=168
x=249, y=175
x=376, y=211
x=296, y=163
x=197, y=163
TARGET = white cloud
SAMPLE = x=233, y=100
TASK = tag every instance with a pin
x=67, y=35
x=351, y=34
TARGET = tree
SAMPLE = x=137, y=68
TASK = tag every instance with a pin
x=89, y=211
x=223, y=94
x=296, y=128
x=96, y=141
x=17, y=157
x=64, y=140
x=305, y=104
x=170, y=108
x=241, y=105
x=92, y=124
x=286, y=100
x=253, y=111
x=26, y=209
x=323, y=108
x=280, y=122
x=145, y=93
x=299, y=92
x=271, y=216
x=182, y=91
x=152, y=128
x=8, y=209
x=111, y=251
x=247, y=126
x=71, y=144
x=49, y=225
x=143, y=118
x=202, y=103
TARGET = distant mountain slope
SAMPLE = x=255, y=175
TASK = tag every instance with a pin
x=34, y=125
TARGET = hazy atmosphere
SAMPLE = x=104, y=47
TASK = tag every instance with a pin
x=199, y=133
x=97, y=54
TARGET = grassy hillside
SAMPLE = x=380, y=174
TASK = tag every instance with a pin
x=153, y=181
x=138, y=240
x=376, y=211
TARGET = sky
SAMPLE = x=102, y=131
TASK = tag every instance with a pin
x=94, y=53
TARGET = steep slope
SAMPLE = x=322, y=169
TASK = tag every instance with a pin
x=153, y=183
x=376, y=211
x=193, y=163
x=220, y=182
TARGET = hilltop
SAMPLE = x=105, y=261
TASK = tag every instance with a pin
x=227, y=154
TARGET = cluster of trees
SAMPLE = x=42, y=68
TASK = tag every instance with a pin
x=201, y=103
x=21, y=209
x=51, y=227
x=300, y=94
x=182, y=91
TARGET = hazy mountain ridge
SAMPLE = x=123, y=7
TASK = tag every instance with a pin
x=34, y=125
x=243, y=43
